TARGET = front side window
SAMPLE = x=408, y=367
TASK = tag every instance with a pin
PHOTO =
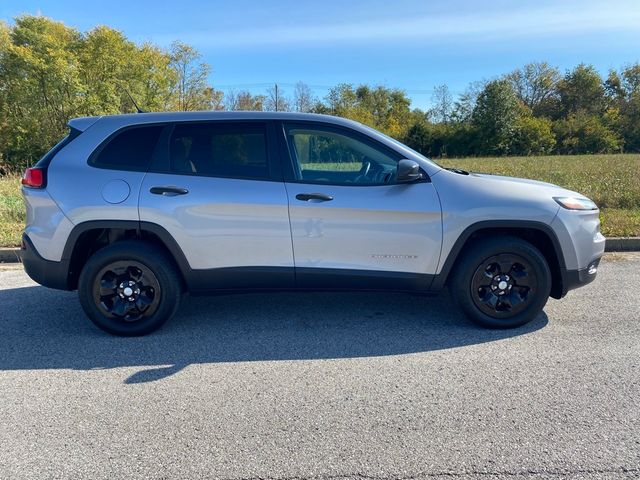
x=333, y=157
x=130, y=149
x=236, y=151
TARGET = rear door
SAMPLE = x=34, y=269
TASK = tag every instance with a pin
x=352, y=224
x=217, y=189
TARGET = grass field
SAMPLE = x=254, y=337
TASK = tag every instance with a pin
x=612, y=181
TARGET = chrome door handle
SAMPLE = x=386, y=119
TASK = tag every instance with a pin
x=319, y=197
x=168, y=191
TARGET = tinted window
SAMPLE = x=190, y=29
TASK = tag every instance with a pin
x=326, y=156
x=238, y=151
x=129, y=150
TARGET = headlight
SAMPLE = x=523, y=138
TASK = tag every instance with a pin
x=576, y=203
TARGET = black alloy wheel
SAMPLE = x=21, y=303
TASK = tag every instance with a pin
x=127, y=291
x=130, y=287
x=503, y=285
x=501, y=281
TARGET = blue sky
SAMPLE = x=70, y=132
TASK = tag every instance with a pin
x=413, y=45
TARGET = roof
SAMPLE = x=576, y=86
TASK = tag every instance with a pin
x=83, y=123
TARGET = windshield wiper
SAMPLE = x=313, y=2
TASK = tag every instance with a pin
x=458, y=170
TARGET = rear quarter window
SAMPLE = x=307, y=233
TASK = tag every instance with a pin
x=130, y=149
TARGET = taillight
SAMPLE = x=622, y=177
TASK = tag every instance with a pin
x=33, y=178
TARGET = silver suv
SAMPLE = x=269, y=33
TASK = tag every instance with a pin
x=134, y=210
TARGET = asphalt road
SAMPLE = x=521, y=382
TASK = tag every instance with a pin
x=323, y=386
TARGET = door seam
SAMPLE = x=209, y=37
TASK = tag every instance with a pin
x=293, y=250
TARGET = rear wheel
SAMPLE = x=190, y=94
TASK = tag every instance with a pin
x=501, y=282
x=129, y=288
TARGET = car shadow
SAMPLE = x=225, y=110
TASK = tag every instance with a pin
x=46, y=329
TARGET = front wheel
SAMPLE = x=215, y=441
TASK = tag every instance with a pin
x=129, y=288
x=501, y=282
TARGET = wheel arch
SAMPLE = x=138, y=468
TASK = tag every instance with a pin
x=539, y=234
x=87, y=238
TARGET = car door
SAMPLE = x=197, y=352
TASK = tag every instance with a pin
x=216, y=188
x=352, y=224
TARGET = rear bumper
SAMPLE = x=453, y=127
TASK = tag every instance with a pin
x=573, y=279
x=45, y=272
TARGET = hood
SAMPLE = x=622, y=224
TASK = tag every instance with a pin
x=524, y=183
x=514, y=180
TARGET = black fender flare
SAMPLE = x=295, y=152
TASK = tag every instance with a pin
x=440, y=279
x=165, y=237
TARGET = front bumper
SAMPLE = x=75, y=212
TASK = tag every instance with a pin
x=572, y=279
x=582, y=245
x=45, y=272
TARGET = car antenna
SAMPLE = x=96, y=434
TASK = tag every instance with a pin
x=138, y=109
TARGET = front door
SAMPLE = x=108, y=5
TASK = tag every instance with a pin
x=352, y=225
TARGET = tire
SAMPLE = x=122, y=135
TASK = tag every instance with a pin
x=129, y=288
x=501, y=282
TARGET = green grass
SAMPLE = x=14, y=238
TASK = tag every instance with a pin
x=11, y=211
x=612, y=181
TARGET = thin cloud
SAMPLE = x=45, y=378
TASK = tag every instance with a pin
x=483, y=26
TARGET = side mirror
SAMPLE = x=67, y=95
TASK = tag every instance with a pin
x=408, y=171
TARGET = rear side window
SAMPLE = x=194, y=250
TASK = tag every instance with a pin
x=220, y=150
x=130, y=149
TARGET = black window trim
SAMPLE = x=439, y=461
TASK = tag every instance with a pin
x=91, y=161
x=161, y=162
x=289, y=159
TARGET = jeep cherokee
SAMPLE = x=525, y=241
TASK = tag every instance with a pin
x=135, y=210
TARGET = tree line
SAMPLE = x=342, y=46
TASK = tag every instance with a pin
x=50, y=72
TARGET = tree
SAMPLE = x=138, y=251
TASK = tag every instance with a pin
x=613, y=87
x=534, y=136
x=4, y=106
x=582, y=133
x=495, y=116
x=190, y=86
x=429, y=139
x=151, y=79
x=341, y=98
x=112, y=68
x=41, y=83
x=536, y=86
x=582, y=89
x=442, y=104
x=244, y=100
x=623, y=114
x=379, y=107
x=303, y=99
x=464, y=106
x=419, y=137
x=630, y=110
x=216, y=99
x=104, y=57
x=276, y=101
